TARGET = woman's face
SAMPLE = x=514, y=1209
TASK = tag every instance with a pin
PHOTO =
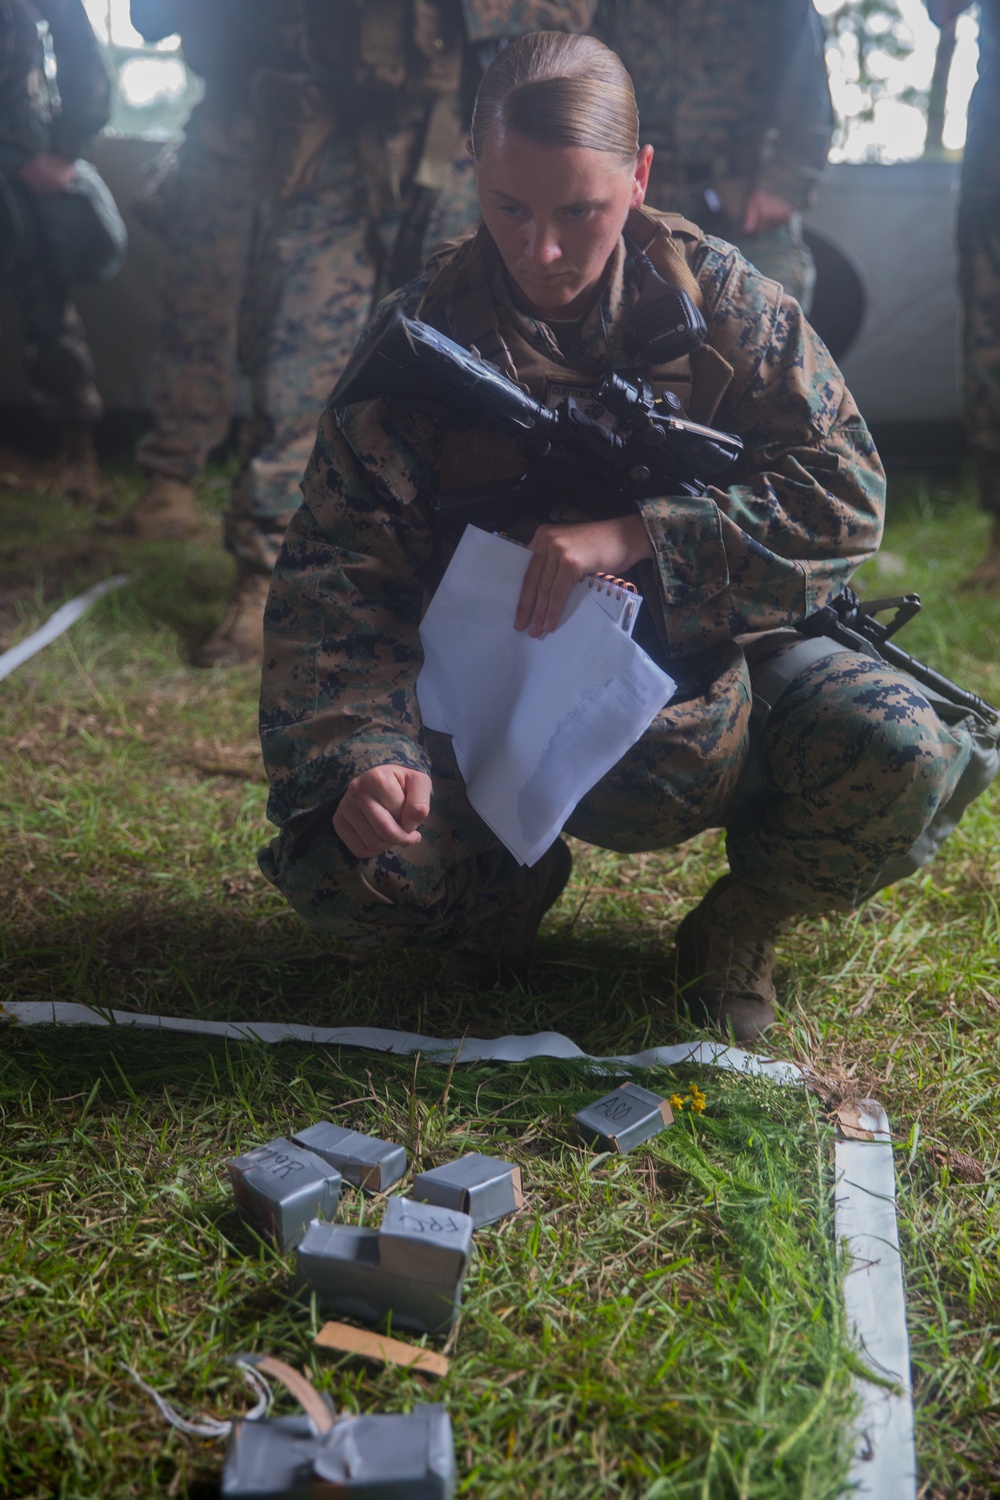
x=555, y=213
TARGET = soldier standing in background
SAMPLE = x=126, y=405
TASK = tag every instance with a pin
x=366, y=169
x=735, y=101
x=979, y=272
x=59, y=226
x=201, y=203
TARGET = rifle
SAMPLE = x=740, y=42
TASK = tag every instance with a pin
x=570, y=456
x=846, y=618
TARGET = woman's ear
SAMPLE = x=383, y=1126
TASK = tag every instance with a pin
x=640, y=183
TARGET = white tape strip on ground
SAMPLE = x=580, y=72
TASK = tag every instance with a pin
x=467, y=1049
x=885, y=1463
x=64, y=617
x=884, y=1466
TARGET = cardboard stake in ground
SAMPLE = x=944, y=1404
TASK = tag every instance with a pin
x=376, y=1346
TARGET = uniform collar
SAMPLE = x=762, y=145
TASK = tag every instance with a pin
x=601, y=341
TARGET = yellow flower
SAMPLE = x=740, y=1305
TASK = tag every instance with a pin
x=676, y=1102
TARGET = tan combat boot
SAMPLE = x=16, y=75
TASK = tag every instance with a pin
x=168, y=511
x=724, y=958
x=240, y=637
x=500, y=951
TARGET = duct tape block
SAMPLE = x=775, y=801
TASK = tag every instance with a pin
x=361, y=1159
x=390, y=1457
x=280, y=1188
x=433, y=1244
x=481, y=1186
x=373, y=1457
x=623, y=1119
x=270, y=1459
x=368, y=1274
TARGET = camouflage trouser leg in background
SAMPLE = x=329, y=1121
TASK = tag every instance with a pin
x=782, y=253
x=203, y=208
x=979, y=273
x=313, y=280
x=307, y=305
x=855, y=764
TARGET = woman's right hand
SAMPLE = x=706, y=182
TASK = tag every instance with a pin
x=381, y=808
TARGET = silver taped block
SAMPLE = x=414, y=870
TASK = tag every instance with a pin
x=412, y=1268
x=281, y=1187
x=623, y=1119
x=433, y=1244
x=270, y=1459
x=484, y=1187
x=378, y=1457
x=361, y=1159
x=411, y=1457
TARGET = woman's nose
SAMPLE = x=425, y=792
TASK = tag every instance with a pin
x=543, y=246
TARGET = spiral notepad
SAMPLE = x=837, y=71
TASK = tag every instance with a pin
x=535, y=722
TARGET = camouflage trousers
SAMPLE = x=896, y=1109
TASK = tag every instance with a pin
x=979, y=272
x=202, y=205
x=781, y=254
x=852, y=765
x=316, y=271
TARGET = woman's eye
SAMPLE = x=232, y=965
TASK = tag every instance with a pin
x=577, y=211
x=510, y=210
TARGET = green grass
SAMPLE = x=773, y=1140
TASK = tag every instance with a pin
x=662, y=1325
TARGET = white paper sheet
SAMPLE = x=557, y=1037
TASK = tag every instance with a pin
x=535, y=723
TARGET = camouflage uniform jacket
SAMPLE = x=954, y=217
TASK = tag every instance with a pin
x=727, y=91
x=39, y=114
x=342, y=651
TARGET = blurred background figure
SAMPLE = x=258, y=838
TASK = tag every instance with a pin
x=979, y=271
x=59, y=226
x=734, y=99
x=365, y=169
x=201, y=203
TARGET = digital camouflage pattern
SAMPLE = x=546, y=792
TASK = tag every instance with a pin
x=310, y=296
x=979, y=261
x=328, y=248
x=60, y=115
x=201, y=202
x=202, y=206
x=490, y=20
x=854, y=760
x=731, y=97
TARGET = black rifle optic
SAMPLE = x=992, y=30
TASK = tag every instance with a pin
x=570, y=457
x=846, y=618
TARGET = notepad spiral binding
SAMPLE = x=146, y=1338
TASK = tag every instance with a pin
x=607, y=582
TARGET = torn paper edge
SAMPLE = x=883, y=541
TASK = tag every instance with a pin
x=56, y=625
x=885, y=1461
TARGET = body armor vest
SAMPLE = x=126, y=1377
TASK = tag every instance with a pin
x=460, y=302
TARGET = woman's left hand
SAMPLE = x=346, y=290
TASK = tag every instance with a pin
x=565, y=554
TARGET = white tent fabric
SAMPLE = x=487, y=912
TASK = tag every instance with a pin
x=897, y=225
